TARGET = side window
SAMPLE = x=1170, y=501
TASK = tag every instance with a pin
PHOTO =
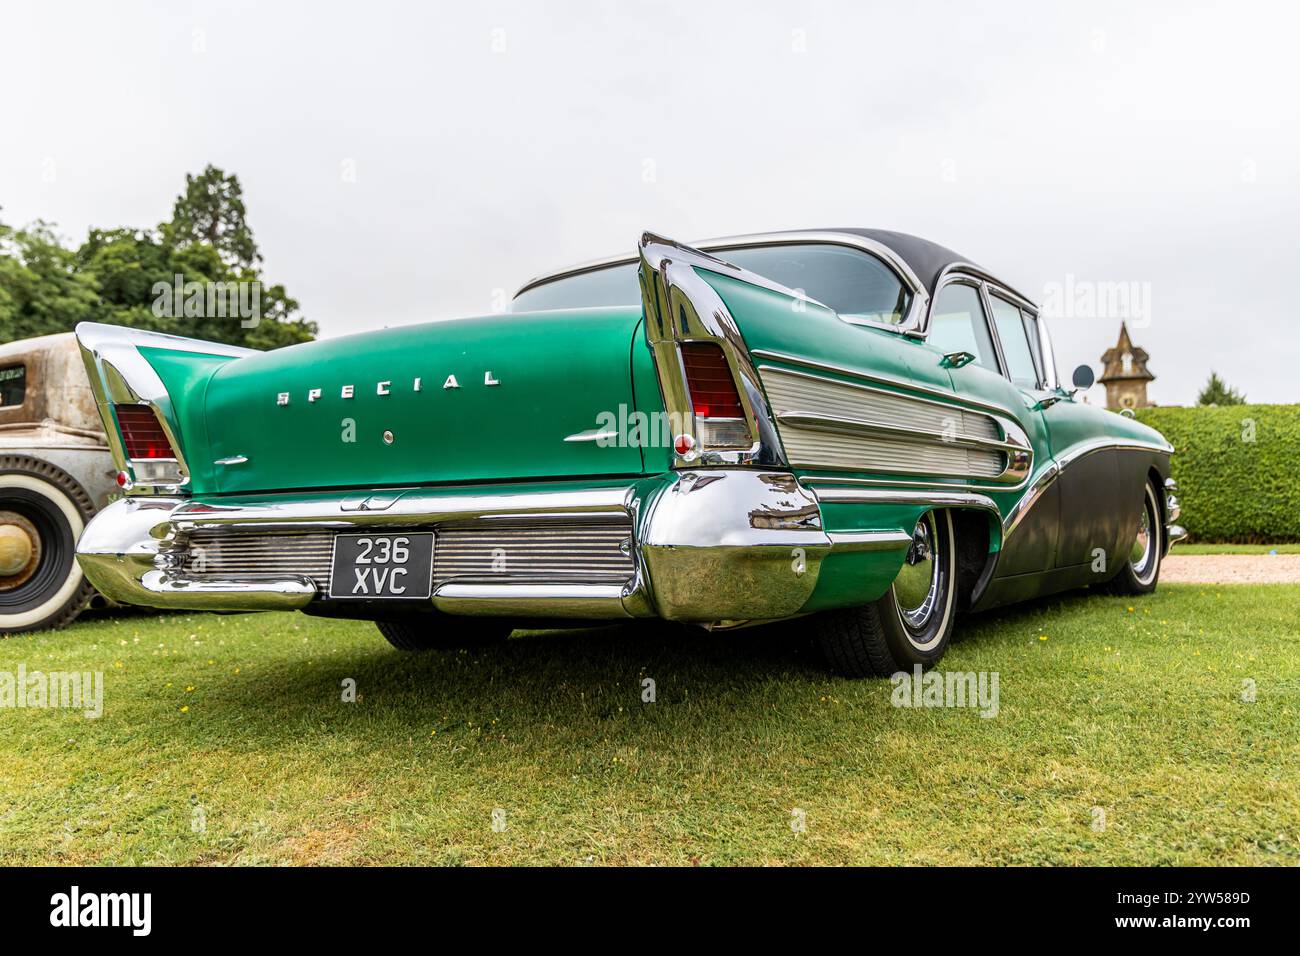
x=957, y=324
x=1021, y=368
x=13, y=385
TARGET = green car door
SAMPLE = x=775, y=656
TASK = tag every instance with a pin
x=962, y=337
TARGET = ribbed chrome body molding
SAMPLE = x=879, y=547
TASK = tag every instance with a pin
x=560, y=553
x=826, y=423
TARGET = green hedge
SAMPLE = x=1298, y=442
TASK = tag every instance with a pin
x=1237, y=468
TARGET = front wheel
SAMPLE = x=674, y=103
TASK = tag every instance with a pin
x=912, y=623
x=1141, y=569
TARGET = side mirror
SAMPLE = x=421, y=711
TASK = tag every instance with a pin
x=1083, y=377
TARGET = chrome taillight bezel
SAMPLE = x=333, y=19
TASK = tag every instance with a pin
x=682, y=307
x=155, y=472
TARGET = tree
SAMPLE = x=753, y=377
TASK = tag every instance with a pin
x=1217, y=392
x=211, y=211
x=116, y=275
x=41, y=289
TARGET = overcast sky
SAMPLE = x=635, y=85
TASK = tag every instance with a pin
x=402, y=163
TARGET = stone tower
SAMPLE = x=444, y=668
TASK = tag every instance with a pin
x=1124, y=373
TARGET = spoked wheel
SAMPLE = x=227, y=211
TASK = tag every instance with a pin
x=42, y=512
x=1141, y=569
x=912, y=623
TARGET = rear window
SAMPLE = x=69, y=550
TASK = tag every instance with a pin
x=855, y=284
x=13, y=385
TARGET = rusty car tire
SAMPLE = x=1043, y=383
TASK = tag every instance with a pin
x=54, y=503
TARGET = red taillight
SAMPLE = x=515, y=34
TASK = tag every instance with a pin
x=709, y=379
x=142, y=433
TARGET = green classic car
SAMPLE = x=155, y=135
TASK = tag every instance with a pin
x=854, y=427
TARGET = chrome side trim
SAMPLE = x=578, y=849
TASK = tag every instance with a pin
x=1017, y=512
x=1054, y=469
x=810, y=402
x=593, y=434
x=232, y=460
x=851, y=541
x=907, y=389
x=920, y=484
x=1097, y=444
x=853, y=426
x=939, y=499
x=960, y=500
x=415, y=507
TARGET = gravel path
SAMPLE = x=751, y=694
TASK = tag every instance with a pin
x=1230, y=568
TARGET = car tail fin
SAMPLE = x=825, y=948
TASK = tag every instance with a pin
x=710, y=387
x=143, y=421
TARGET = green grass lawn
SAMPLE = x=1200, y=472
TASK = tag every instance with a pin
x=1212, y=548
x=1130, y=706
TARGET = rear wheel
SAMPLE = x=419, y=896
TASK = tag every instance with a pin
x=912, y=623
x=443, y=632
x=42, y=512
x=1141, y=569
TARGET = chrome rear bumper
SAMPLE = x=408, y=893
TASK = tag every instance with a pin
x=705, y=546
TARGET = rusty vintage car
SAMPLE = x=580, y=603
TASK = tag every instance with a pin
x=56, y=471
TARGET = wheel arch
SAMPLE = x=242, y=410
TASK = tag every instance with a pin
x=978, y=536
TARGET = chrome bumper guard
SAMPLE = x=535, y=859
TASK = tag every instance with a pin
x=1173, y=532
x=705, y=546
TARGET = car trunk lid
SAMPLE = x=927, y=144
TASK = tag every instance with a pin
x=500, y=397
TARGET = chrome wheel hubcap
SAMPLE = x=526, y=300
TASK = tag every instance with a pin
x=1143, y=555
x=916, y=588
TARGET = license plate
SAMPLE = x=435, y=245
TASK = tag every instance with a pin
x=382, y=566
